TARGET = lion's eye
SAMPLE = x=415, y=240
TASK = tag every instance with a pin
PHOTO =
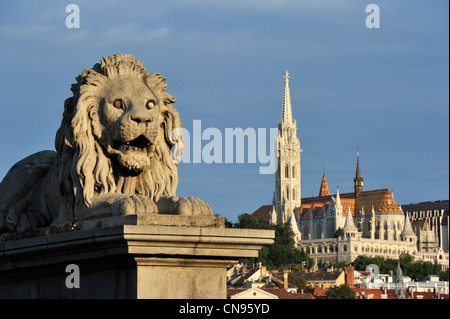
x=150, y=104
x=118, y=103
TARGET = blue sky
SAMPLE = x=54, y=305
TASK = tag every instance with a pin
x=383, y=90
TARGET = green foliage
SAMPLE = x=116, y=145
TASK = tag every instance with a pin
x=337, y=233
x=418, y=270
x=444, y=275
x=300, y=283
x=340, y=292
x=282, y=253
x=251, y=222
x=228, y=224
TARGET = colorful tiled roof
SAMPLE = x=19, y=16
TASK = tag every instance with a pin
x=380, y=199
x=324, y=187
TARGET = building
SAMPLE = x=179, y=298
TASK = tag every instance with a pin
x=340, y=227
x=259, y=283
x=430, y=221
x=323, y=279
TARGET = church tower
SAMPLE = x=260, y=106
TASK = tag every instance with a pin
x=287, y=195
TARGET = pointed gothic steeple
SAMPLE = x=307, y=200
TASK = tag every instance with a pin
x=287, y=195
x=358, y=180
x=286, y=113
x=399, y=289
x=338, y=199
x=349, y=227
x=294, y=226
x=324, y=186
x=408, y=233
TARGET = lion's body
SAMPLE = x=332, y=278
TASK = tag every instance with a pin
x=113, y=154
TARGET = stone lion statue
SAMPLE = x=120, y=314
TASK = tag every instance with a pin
x=116, y=154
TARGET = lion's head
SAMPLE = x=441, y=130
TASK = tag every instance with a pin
x=117, y=133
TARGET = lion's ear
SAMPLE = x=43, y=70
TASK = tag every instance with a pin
x=159, y=85
x=157, y=82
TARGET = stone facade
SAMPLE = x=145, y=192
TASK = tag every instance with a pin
x=340, y=227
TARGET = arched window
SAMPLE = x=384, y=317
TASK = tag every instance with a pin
x=294, y=193
x=286, y=171
x=305, y=232
x=294, y=171
x=287, y=192
x=318, y=231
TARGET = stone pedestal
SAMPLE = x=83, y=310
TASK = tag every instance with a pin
x=148, y=256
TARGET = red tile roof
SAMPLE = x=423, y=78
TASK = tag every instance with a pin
x=263, y=212
x=324, y=188
x=279, y=292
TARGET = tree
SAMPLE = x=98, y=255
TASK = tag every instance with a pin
x=337, y=233
x=417, y=270
x=282, y=253
x=300, y=283
x=443, y=275
x=228, y=224
x=251, y=222
x=340, y=292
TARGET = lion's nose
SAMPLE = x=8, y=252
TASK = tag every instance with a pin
x=141, y=118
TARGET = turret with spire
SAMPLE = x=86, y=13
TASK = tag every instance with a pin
x=323, y=185
x=358, y=180
x=286, y=112
x=408, y=234
x=349, y=229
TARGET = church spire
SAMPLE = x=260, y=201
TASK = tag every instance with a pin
x=286, y=113
x=287, y=196
x=358, y=180
x=324, y=186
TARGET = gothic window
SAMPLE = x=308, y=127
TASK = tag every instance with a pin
x=287, y=192
x=294, y=193
x=294, y=169
x=305, y=232
x=286, y=171
x=318, y=231
x=385, y=227
x=392, y=231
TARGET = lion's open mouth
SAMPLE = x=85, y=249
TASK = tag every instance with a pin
x=138, y=144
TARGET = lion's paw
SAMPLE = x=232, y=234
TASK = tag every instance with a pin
x=192, y=206
x=137, y=204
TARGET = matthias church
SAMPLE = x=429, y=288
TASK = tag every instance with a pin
x=340, y=227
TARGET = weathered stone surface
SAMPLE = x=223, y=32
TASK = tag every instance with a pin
x=105, y=201
x=117, y=152
x=128, y=261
